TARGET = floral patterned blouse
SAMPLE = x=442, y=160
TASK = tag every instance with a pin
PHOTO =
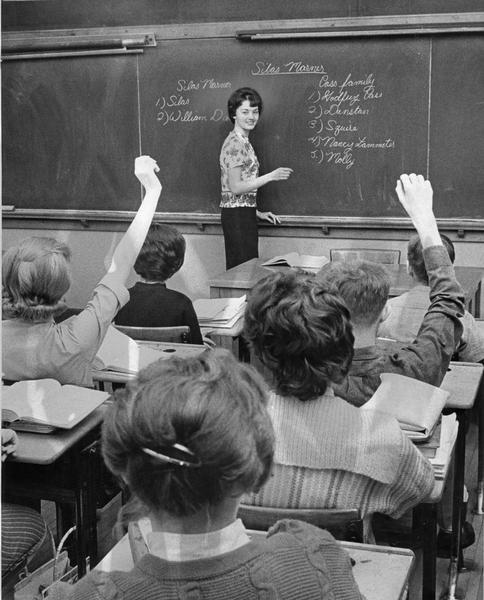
x=237, y=151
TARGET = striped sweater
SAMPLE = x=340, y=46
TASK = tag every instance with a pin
x=330, y=454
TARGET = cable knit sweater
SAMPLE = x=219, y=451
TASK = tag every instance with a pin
x=330, y=454
x=295, y=562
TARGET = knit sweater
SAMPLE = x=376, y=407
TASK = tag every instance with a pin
x=295, y=562
x=428, y=357
x=330, y=454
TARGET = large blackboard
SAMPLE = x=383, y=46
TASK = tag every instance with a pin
x=347, y=115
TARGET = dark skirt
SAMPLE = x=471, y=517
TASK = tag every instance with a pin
x=241, y=238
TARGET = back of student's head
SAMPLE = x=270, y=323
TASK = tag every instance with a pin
x=415, y=256
x=363, y=285
x=35, y=277
x=301, y=332
x=162, y=253
x=213, y=406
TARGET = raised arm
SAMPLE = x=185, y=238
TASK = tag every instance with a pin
x=128, y=248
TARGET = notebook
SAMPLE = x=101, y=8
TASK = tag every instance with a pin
x=42, y=405
x=294, y=259
x=219, y=312
x=416, y=405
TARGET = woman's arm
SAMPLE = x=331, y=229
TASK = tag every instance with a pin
x=238, y=186
x=128, y=248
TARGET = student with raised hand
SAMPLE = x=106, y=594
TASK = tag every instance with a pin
x=36, y=276
x=404, y=314
x=190, y=437
x=329, y=454
x=364, y=287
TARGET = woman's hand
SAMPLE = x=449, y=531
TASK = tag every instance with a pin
x=9, y=443
x=280, y=174
x=268, y=216
x=145, y=168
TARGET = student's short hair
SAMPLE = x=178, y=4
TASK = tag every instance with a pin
x=162, y=253
x=301, y=331
x=212, y=405
x=363, y=285
x=237, y=97
x=35, y=277
x=416, y=259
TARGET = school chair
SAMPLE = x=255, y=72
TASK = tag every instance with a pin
x=343, y=524
x=178, y=334
x=387, y=257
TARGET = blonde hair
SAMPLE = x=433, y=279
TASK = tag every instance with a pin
x=35, y=277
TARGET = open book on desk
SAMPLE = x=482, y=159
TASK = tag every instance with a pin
x=416, y=405
x=42, y=405
x=219, y=312
x=307, y=262
x=121, y=354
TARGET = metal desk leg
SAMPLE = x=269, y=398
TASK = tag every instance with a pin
x=460, y=456
x=425, y=530
x=480, y=461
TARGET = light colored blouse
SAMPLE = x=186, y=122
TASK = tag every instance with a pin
x=237, y=151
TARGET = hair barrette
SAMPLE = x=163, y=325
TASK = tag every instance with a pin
x=186, y=458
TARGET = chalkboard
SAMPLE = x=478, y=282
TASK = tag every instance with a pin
x=348, y=115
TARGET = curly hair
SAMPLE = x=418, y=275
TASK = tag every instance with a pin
x=301, y=331
x=416, y=260
x=363, y=285
x=162, y=253
x=212, y=405
x=239, y=96
x=35, y=277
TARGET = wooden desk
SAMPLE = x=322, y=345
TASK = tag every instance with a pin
x=381, y=572
x=229, y=338
x=59, y=467
x=241, y=279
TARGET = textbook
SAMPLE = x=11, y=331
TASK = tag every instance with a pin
x=448, y=435
x=122, y=354
x=296, y=260
x=219, y=312
x=429, y=448
x=416, y=405
x=42, y=405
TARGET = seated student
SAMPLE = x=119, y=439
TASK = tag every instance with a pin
x=403, y=315
x=364, y=287
x=189, y=438
x=24, y=531
x=329, y=454
x=151, y=304
x=36, y=276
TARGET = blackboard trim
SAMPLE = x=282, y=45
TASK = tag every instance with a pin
x=202, y=219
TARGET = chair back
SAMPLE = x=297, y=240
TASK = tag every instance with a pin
x=178, y=334
x=343, y=524
x=387, y=257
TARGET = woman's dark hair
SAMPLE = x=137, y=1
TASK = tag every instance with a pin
x=162, y=253
x=35, y=278
x=212, y=405
x=416, y=260
x=237, y=97
x=301, y=332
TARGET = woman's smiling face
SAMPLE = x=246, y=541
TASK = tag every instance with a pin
x=246, y=116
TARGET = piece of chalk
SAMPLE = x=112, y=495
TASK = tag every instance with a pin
x=8, y=207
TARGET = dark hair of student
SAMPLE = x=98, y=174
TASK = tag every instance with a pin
x=162, y=253
x=211, y=406
x=35, y=277
x=301, y=332
x=239, y=96
x=416, y=260
x=363, y=285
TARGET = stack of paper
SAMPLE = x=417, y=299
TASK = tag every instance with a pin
x=448, y=434
x=416, y=405
x=306, y=262
x=219, y=312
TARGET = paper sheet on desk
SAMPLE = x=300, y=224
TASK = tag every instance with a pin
x=219, y=312
x=119, y=352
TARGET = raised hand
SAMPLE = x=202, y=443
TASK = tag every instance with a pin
x=416, y=196
x=145, y=168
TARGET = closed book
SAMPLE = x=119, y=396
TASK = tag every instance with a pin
x=416, y=405
x=42, y=405
x=429, y=447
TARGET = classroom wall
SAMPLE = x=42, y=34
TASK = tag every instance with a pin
x=205, y=255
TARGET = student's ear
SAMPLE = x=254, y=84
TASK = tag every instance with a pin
x=384, y=313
